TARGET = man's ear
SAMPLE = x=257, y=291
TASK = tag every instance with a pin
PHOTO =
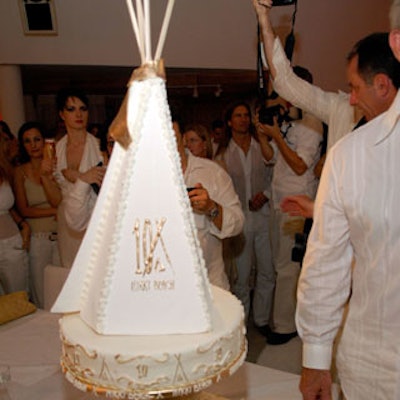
x=383, y=84
x=394, y=42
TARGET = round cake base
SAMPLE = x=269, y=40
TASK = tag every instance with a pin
x=155, y=366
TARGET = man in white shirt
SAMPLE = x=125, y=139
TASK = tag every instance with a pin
x=216, y=207
x=294, y=147
x=356, y=217
x=251, y=178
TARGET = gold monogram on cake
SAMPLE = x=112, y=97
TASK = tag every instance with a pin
x=152, y=257
x=146, y=245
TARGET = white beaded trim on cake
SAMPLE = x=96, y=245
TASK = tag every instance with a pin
x=102, y=230
x=188, y=218
x=140, y=92
x=189, y=224
x=135, y=128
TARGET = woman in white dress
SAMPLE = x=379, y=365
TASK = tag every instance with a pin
x=78, y=158
x=37, y=197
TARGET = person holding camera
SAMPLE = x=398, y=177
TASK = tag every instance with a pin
x=342, y=112
x=373, y=77
x=216, y=207
x=294, y=147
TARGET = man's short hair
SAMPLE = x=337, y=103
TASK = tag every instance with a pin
x=394, y=15
x=376, y=57
x=217, y=123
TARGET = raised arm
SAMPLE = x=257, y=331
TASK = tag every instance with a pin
x=262, y=8
x=295, y=162
x=287, y=84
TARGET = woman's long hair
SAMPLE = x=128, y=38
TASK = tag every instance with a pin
x=6, y=168
x=204, y=135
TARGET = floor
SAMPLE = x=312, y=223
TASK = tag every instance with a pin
x=285, y=357
x=255, y=342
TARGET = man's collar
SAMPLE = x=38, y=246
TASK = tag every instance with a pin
x=390, y=120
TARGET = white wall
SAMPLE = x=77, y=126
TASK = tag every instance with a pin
x=203, y=34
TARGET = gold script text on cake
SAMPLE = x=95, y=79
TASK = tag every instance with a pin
x=147, y=285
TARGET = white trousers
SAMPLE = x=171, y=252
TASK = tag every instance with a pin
x=13, y=265
x=255, y=250
x=283, y=229
x=42, y=252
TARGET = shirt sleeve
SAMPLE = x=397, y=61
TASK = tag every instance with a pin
x=225, y=195
x=297, y=91
x=325, y=279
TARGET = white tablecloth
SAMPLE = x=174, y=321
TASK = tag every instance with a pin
x=31, y=347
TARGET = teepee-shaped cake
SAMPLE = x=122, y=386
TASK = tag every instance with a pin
x=140, y=322
x=139, y=270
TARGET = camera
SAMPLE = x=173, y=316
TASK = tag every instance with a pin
x=266, y=114
x=299, y=248
x=283, y=2
x=300, y=242
x=95, y=186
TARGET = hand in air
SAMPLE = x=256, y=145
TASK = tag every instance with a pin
x=269, y=131
x=262, y=6
x=298, y=205
x=262, y=9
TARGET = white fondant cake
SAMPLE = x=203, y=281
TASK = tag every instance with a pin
x=140, y=257
x=145, y=322
x=155, y=366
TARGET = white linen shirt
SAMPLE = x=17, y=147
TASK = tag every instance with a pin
x=250, y=174
x=304, y=137
x=220, y=189
x=356, y=215
x=332, y=108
